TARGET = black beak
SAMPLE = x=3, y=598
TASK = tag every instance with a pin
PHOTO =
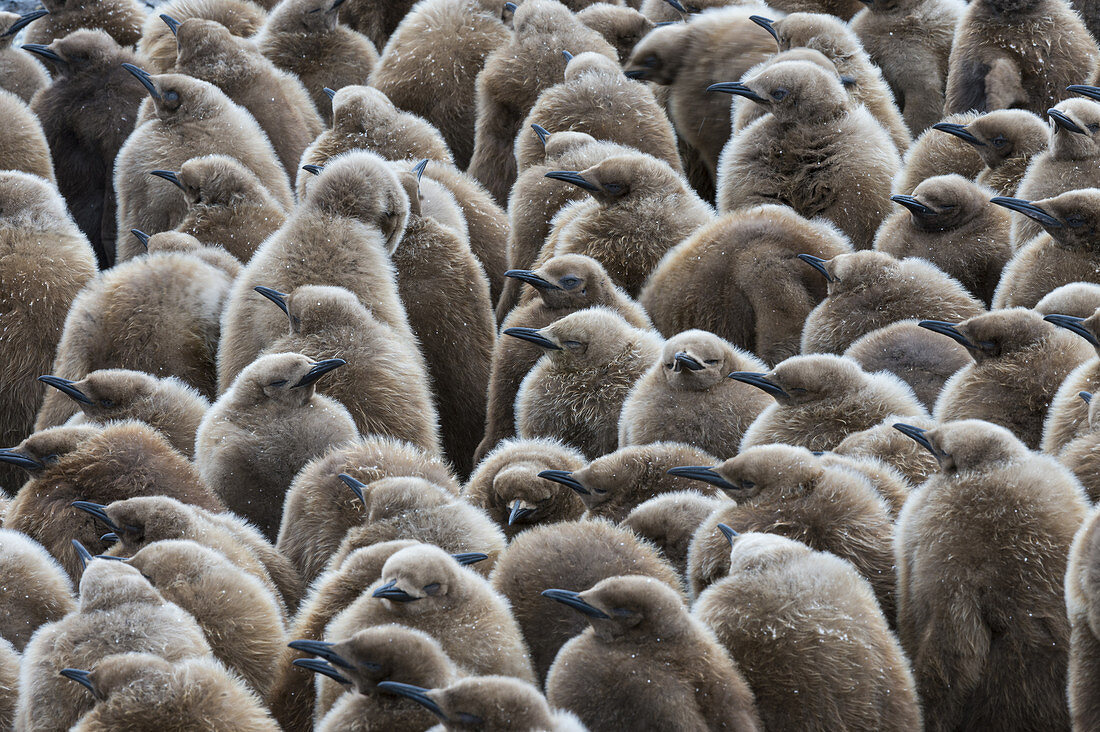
x=728, y=532
x=11, y=457
x=313, y=169
x=565, y=478
x=172, y=23
x=531, y=335
x=1065, y=122
x=329, y=92
x=318, y=666
x=766, y=24
x=320, y=649
x=571, y=176
x=737, y=89
x=914, y=205
x=704, y=474
x=688, y=362
x=760, y=381
x=279, y=298
x=45, y=52
x=65, y=386
x=1092, y=92
x=567, y=56
x=390, y=591
x=819, y=264
x=23, y=21
x=84, y=678
x=958, y=131
x=573, y=600
x=417, y=693
x=144, y=77
x=168, y=175
x=511, y=7
x=318, y=370
x=97, y=512
x=419, y=169
x=917, y=435
x=542, y=133
x=1086, y=397
x=1027, y=208
x=468, y=558
x=677, y=6
x=109, y=538
x=949, y=330
x=141, y=236
x=519, y=512
x=355, y=485
x=636, y=74
x=528, y=276
x=83, y=553
x=1074, y=325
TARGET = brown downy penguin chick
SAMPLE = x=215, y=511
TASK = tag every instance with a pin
x=515, y=73
x=425, y=588
x=1020, y=361
x=39, y=293
x=686, y=397
x=1077, y=299
x=832, y=37
x=576, y=390
x=41, y=447
x=785, y=609
x=1006, y=140
x=639, y=208
x=275, y=98
x=669, y=521
x=872, y=289
x=620, y=26
x=243, y=18
x=563, y=285
x=123, y=460
x=581, y=554
x=9, y=683
x=910, y=40
x=159, y=314
x=24, y=147
x=121, y=19
x=1081, y=599
x=949, y=222
x=227, y=205
x=981, y=604
x=996, y=61
x=811, y=118
x=1066, y=252
x=87, y=114
x=145, y=691
x=463, y=33
x=745, y=114
x=687, y=681
x=20, y=73
x=786, y=490
x=612, y=485
x=884, y=443
x=1068, y=415
x=189, y=118
x=506, y=484
x=1080, y=454
x=305, y=38
x=240, y=616
x=821, y=399
x=384, y=385
x=597, y=99
x=446, y=296
x=341, y=235
x=934, y=153
x=915, y=355
x=167, y=405
x=38, y=590
x=119, y=611
x=765, y=292
x=320, y=507
x=263, y=429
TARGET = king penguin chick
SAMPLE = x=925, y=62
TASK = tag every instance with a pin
x=305, y=38
x=1006, y=140
x=1081, y=599
x=24, y=147
x=620, y=26
x=821, y=399
x=1068, y=415
x=1066, y=251
x=1020, y=360
x=686, y=397
x=934, y=153
x=872, y=289
x=884, y=443
x=119, y=611
x=121, y=19
x=1080, y=454
x=786, y=490
x=785, y=608
x=981, y=608
x=507, y=486
x=189, y=118
x=949, y=222
x=687, y=681
x=747, y=259
x=39, y=590
x=576, y=390
x=146, y=691
x=243, y=18
x=669, y=521
x=39, y=291
x=1077, y=299
x=22, y=75
x=42, y=447
x=263, y=429
x=341, y=235
x=994, y=64
x=811, y=118
x=515, y=73
x=612, y=485
x=167, y=405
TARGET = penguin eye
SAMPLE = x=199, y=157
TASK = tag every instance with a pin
x=1075, y=220
x=171, y=96
x=50, y=459
x=999, y=141
x=746, y=484
x=779, y=94
x=432, y=589
x=650, y=62
x=622, y=612
x=615, y=189
x=668, y=366
x=106, y=403
x=711, y=361
x=471, y=719
x=280, y=382
x=1094, y=127
x=569, y=282
x=572, y=345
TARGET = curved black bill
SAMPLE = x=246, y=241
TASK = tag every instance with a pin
x=318, y=666
x=528, y=276
x=417, y=693
x=1074, y=325
x=1027, y=208
x=704, y=474
x=96, y=510
x=565, y=478
x=958, y=131
x=145, y=78
x=819, y=264
x=572, y=176
x=390, y=591
x=318, y=370
x=760, y=381
x=65, y=386
x=531, y=335
x=321, y=649
x=574, y=600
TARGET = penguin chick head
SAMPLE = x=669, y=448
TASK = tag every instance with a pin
x=108, y=393
x=280, y=380
x=528, y=497
x=219, y=180
x=590, y=337
x=658, y=57
x=593, y=63
x=304, y=16
x=625, y=179
x=121, y=672
x=825, y=33
x=755, y=551
x=389, y=653
x=27, y=202
x=1072, y=218
x=178, y=98
x=420, y=579
x=200, y=41
x=484, y=703
x=560, y=143
x=82, y=52
x=145, y=519
x=390, y=497
x=361, y=185
x=945, y=202
x=622, y=26
x=570, y=281
x=172, y=241
x=541, y=17
x=43, y=449
x=855, y=271
x=1002, y=134
x=629, y=608
x=106, y=584
x=999, y=333
x=809, y=379
x=776, y=471
x=12, y=23
x=359, y=109
x=1076, y=133
x=794, y=92
x=969, y=445
x=696, y=360
x=1087, y=328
